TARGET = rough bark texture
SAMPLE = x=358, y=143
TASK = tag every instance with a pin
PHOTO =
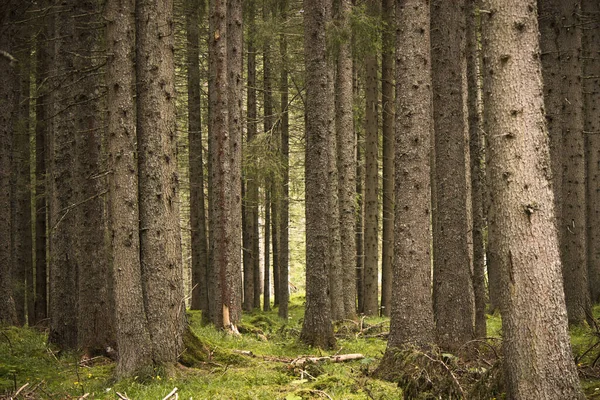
x=281, y=281
x=63, y=269
x=42, y=125
x=591, y=91
x=197, y=202
x=317, y=329
x=562, y=71
x=412, y=305
x=476, y=153
x=387, y=96
x=95, y=331
x=251, y=256
x=133, y=338
x=360, y=209
x=160, y=239
x=371, y=202
x=346, y=160
x=538, y=360
x=8, y=96
x=21, y=191
x=452, y=288
x=235, y=93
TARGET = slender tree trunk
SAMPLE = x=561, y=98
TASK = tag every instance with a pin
x=591, y=92
x=387, y=89
x=539, y=361
x=282, y=278
x=267, y=231
x=360, y=210
x=412, y=305
x=476, y=152
x=371, y=204
x=317, y=329
x=8, y=100
x=562, y=68
x=160, y=238
x=346, y=159
x=95, y=331
x=453, y=287
x=133, y=338
x=197, y=207
x=251, y=198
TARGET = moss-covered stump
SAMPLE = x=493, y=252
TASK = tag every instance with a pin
x=198, y=354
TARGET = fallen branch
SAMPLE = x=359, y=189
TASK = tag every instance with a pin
x=122, y=397
x=171, y=394
x=298, y=362
x=21, y=389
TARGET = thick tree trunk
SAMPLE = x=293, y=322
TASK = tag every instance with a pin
x=453, y=287
x=538, y=361
x=346, y=160
x=412, y=305
x=371, y=202
x=196, y=164
x=160, y=239
x=281, y=276
x=387, y=94
x=317, y=329
x=133, y=338
x=561, y=37
x=476, y=152
x=591, y=91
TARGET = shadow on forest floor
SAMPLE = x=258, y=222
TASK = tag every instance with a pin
x=264, y=363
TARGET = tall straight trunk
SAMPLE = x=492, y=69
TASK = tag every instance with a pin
x=346, y=161
x=42, y=126
x=95, y=331
x=453, y=287
x=251, y=196
x=197, y=207
x=272, y=186
x=63, y=227
x=267, y=230
x=591, y=91
x=160, y=239
x=561, y=40
x=476, y=152
x=275, y=204
x=8, y=99
x=539, y=361
x=412, y=306
x=281, y=280
x=371, y=202
x=317, y=329
x=235, y=89
x=360, y=210
x=21, y=154
x=387, y=96
x=131, y=329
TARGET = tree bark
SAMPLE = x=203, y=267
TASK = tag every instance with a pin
x=538, y=361
x=160, y=238
x=317, y=329
x=196, y=164
x=133, y=338
x=561, y=37
x=452, y=284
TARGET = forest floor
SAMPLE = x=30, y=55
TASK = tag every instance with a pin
x=264, y=362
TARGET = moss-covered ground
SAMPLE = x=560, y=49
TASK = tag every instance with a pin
x=255, y=365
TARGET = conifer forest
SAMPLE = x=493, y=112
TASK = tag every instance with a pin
x=300, y=199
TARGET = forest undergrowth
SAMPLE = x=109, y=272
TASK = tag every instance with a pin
x=267, y=361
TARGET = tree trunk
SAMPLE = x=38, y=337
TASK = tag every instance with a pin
x=412, y=306
x=387, y=95
x=562, y=67
x=133, y=338
x=196, y=165
x=95, y=331
x=360, y=210
x=160, y=239
x=317, y=329
x=591, y=91
x=538, y=361
x=476, y=152
x=371, y=204
x=282, y=278
x=453, y=287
